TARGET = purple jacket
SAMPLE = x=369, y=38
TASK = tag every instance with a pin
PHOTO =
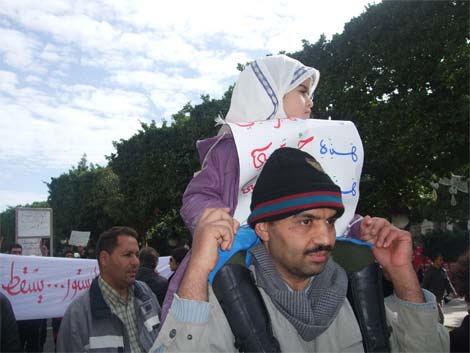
x=215, y=186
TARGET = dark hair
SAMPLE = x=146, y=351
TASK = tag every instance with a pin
x=460, y=276
x=12, y=246
x=179, y=253
x=435, y=256
x=68, y=251
x=148, y=257
x=107, y=240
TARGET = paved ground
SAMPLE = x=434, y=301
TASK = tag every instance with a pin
x=49, y=345
x=454, y=312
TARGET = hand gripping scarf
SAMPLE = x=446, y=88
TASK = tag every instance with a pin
x=262, y=85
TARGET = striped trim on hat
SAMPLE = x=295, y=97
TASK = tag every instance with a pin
x=296, y=202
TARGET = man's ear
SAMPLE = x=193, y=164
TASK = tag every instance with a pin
x=104, y=257
x=262, y=229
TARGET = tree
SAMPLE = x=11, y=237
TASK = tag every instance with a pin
x=450, y=244
x=155, y=165
x=86, y=198
x=400, y=72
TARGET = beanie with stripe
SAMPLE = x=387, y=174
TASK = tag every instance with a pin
x=290, y=182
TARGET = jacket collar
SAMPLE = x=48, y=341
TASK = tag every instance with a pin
x=99, y=308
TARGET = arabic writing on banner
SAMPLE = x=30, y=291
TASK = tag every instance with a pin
x=43, y=287
x=336, y=145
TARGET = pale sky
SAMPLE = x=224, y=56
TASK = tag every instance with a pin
x=77, y=75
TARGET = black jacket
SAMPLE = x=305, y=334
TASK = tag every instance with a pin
x=157, y=283
x=9, y=338
x=436, y=281
x=459, y=337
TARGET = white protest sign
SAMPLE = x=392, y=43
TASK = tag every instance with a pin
x=336, y=145
x=30, y=246
x=33, y=222
x=79, y=238
x=43, y=287
x=163, y=267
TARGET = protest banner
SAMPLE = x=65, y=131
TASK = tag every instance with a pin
x=336, y=145
x=40, y=287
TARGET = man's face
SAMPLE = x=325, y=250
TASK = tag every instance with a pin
x=173, y=264
x=16, y=251
x=439, y=261
x=119, y=268
x=300, y=245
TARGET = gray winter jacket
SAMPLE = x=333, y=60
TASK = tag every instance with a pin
x=193, y=326
x=90, y=326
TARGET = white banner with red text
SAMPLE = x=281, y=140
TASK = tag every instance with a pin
x=336, y=145
x=43, y=287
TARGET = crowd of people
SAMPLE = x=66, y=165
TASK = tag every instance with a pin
x=288, y=293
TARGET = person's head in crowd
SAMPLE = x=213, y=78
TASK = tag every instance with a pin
x=273, y=87
x=117, y=252
x=461, y=276
x=68, y=253
x=148, y=257
x=437, y=260
x=82, y=251
x=44, y=248
x=293, y=210
x=15, y=249
x=177, y=255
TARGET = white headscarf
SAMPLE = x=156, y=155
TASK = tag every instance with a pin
x=259, y=91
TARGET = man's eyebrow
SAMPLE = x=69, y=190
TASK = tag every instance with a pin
x=306, y=215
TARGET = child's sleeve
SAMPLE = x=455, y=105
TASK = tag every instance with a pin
x=354, y=227
x=216, y=185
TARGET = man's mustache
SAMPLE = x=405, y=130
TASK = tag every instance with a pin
x=318, y=248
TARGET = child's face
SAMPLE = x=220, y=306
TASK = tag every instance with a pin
x=297, y=103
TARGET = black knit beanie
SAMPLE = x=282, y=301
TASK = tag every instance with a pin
x=292, y=181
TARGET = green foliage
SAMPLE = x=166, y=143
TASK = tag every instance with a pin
x=155, y=165
x=436, y=205
x=400, y=72
x=451, y=244
x=168, y=233
x=86, y=198
x=7, y=227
